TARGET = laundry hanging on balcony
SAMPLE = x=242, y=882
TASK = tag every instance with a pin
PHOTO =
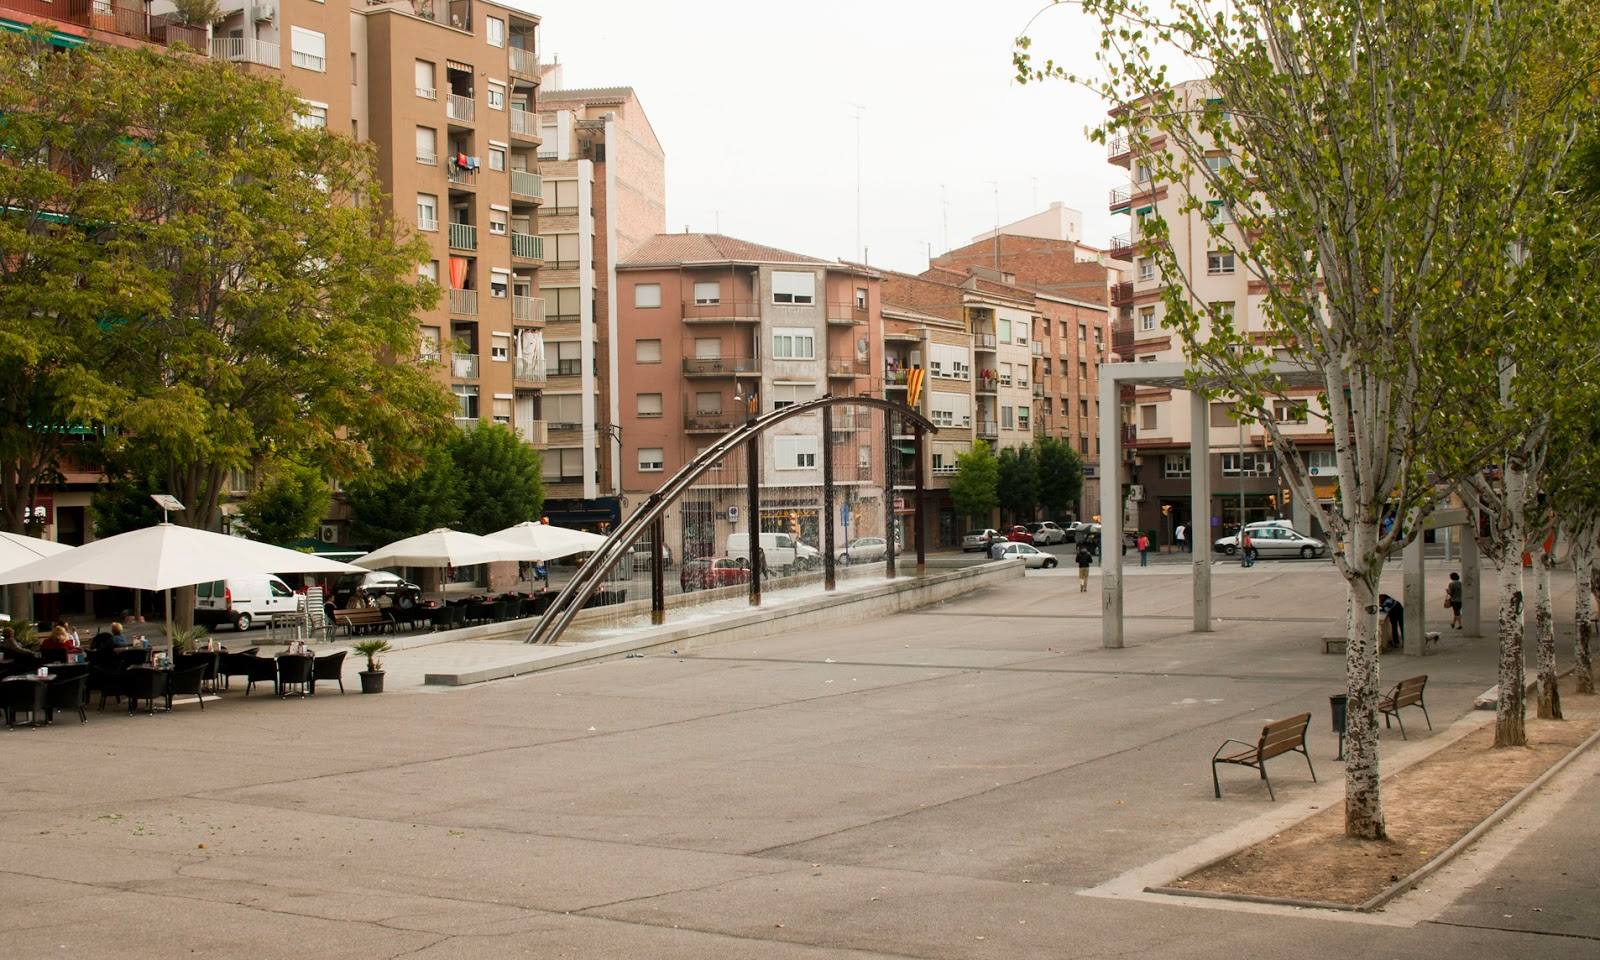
x=458, y=273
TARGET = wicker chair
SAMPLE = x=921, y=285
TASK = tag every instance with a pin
x=330, y=667
x=295, y=669
x=68, y=694
x=188, y=680
x=19, y=695
x=147, y=684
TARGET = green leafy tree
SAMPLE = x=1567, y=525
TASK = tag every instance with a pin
x=1017, y=484
x=1060, y=477
x=123, y=503
x=387, y=506
x=287, y=504
x=500, y=483
x=1382, y=157
x=973, y=489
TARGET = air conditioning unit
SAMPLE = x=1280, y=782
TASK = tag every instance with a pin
x=262, y=12
x=1136, y=492
x=329, y=533
x=1316, y=471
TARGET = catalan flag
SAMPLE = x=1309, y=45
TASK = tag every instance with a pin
x=914, y=378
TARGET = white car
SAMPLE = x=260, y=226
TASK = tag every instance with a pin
x=1046, y=533
x=1034, y=558
x=1275, y=541
x=865, y=550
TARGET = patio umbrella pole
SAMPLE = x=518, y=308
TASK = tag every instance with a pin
x=168, y=593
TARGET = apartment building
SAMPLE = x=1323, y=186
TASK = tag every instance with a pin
x=712, y=330
x=1246, y=482
x=605, y=187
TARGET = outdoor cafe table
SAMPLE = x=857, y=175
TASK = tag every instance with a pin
x=41, y=686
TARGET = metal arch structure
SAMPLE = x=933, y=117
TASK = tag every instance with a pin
x=648, y=517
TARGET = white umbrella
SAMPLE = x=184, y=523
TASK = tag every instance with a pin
x=549, y=542
x=16, y=550
x=443, y=547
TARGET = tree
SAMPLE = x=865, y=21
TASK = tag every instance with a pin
x=973, y=488
x=1381, y=155
x=1060, y=477
x=288, y=504
x=387, y=506
x=1017, y=483
x=123, y=503
x=500, y=483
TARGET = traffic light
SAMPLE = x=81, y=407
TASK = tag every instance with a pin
x=794, y=524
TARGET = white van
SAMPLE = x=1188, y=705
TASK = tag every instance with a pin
x=242, y=601
x=777, y=548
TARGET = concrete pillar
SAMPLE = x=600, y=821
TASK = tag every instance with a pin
x=1200, y=508
x=1110, y=510
x=1300, y=514
x=1471, y=582
x=1413, y=595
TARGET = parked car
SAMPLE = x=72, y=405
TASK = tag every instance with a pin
x=981, y=540
x=1027, y=553
x=242, y=601
x=709, y=573
x=806, y=557
x=864, y=550
x=1019, y=534
x=1076, y=527
x=1230, y=543
x=641, y=556
x=1275, y=541
x=1130, y=538
x=1046, y=533
x=381, y=587
x=777, y=549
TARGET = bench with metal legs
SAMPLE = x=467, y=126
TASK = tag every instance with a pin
x=1278, y=737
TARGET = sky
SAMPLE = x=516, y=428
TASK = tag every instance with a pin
x=755, y=105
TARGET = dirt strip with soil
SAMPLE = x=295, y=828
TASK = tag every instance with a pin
x=1428, y=806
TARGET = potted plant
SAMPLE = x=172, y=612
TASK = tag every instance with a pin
x=372, y=677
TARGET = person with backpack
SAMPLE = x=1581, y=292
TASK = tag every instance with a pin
x=1085, y=561
x=1144, y=550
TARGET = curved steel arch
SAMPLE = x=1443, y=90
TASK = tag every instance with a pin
x=592, y=574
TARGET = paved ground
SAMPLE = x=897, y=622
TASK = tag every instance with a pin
x=945, y=784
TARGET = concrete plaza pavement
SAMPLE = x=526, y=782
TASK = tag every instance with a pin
x=971, y=780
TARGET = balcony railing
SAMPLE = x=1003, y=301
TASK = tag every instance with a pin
x=244, y=50
x=525, y=62
x=1122, y=247
x=1038, y=390
x=460, y=108
x=709, y=422
x=987, y=385
x=527, y=309
x=308, y=61
x=461, y=176
x=524, y=123
x=1117, y=148
x=427, y=158
x=467, y=424
x=463, y=236
x=846, y=367
x=464, y=366
x=723, y=311
x=1130, y=434
x=528, y=370
x=1038, y=349
x=894, y=378
x=846, y=314
x=1122, y=293
x=988, y=429
x=985, y=341
x=527, y=246
x=536, y=432
x=1120, y=197
x=464, y=302
x=719, y=366
x=525, y=184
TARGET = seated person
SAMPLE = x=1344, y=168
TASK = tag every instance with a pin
x=58, y=645
x=118, y=639
x=9, y=645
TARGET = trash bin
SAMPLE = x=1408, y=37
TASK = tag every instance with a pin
x=1338, y=703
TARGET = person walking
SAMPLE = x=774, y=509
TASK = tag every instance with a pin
x=1181, y=535
x=1247, y=550
x=1144, y=550
x=1452, y=599
x=1085, y=561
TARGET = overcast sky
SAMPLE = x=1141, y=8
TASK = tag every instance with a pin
x=755, y=106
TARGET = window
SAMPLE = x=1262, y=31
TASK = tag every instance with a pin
x=1322, y=462
x=1246, y=464
x=1003, y=330
x=568, y=358
x=429, y=271
x=1083, y=444
x=497, y=222
x=563, y=410
x=1005, y=374
x=1148, y=358
x=861, y=298
x=563, y=197
x=1218, y=163
x=1006, y=418
x=1083, y=370
x=497, y=158
x=1219, y=262
x=1083, y=407
x=650, y=460
x=784, y=394
x=499, y=346
x=1147, y=319
x=1142, y=172
x=428, y=348
x=647, y=351
x=427, y=145
x=313, y=116
x=497, y=95
x=649, y=406
x=647, y=295
x=794, y=343
x=564, y=248
x=950, y=409
x=427, y=211
x=1044, y=329
x=562, y=464
x=425, y=86
x=1175, y=466
x=1290, y=411
x=1222, y=312
x=708, y=403
x=795, y=453
x=1147, y=268
x=564, y=303
x=1023, y=413
x=1219, y=212
x=1147, y=417
x=796, y=288
x=1022, y=331
x=498, y=282
x=1222, y=414
x=310, y=49
x=708, y=348
x=494, y=31
x=1047, y=366
x=466, y=401
x=707, y=292
x=502, y=410
x=1083, y=332
x=1047, y=408
x=354, y=72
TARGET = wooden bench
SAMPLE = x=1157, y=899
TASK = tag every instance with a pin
x=364, y=618
x=1277, y=737
x=1406, y=693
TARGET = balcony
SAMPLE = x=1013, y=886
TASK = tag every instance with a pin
x=529, y=372
x=846, y=368
x=524, y=124
x=895, y=379
x=461, y=108
x=722, y=311
x=464, y=366
x=463, y=236
x=528, y=185
x=527, y=309
x=846, y=315
x=1038, y=390
x=536, y=432
x=988, y=430
x=1122, y=293
x=527, y=246
x=524, y=62
x=986, y=385
x=1121, y=247
x=1121, y=199
x=461, y=176
x=719, y=366
x=244, y=50
x=985, y=341
x=1038, y=349
x=1118, y=150
x=709, y=422
x=464, y=302
x=467, y=424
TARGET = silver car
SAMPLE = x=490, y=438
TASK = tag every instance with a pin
x=865, y=550
x=981, y=540
x=1275, y=541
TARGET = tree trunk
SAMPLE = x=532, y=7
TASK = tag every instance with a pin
x=1583, y=602
x=1363, y=807
x=1549, y=706
x=1511, y=710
